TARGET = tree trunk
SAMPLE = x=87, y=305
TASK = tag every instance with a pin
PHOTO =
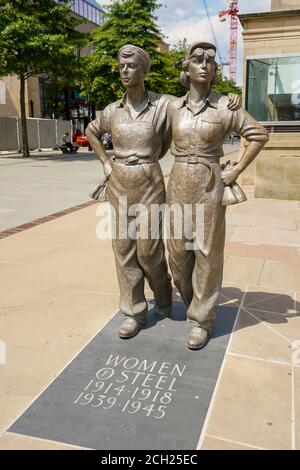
x=67, y=104
x=25, y=145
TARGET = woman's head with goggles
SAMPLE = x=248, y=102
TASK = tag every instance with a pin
x=198, y=50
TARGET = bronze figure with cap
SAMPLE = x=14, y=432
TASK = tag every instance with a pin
x=137, y=123
x=201, y=121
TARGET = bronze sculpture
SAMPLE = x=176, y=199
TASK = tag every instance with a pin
x=141, y=135
x=200, y=122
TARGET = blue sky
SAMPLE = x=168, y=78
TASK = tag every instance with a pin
x=179, y=19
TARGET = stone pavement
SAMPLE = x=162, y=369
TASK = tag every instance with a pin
x=50, y=182
x=59, y=289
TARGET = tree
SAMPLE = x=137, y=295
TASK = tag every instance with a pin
x=38, y=37
x=127, y=22
x=226, y=86
x=173, y=67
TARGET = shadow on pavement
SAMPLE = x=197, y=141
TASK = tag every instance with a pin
x=268, y=307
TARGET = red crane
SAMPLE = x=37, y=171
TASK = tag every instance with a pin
x=232, y=11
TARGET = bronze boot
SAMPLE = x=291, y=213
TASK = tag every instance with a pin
x=129, y=328
x=197, y=338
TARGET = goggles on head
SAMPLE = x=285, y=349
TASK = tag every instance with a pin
x=199, y=52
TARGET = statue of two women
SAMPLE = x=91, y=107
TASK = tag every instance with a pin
x=143, y=125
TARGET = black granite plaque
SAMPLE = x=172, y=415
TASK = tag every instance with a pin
x=149, y=392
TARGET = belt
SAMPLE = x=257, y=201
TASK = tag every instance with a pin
x=133, y=160
x=206, y=161
x=196, y=159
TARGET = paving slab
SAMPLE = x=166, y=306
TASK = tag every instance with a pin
x=239, y=269
x=262, y=251
x=256, y=338
x=281, y=275
x=253, y=404
x=266, y=236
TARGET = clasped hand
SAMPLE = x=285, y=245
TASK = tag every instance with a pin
x=229, y=176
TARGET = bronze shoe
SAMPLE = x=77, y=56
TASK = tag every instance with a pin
x=129, y=328
x=197, y=338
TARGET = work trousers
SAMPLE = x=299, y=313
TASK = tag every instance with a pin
x=198, y=272
x=137, y=259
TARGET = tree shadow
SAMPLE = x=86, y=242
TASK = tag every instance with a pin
x=254, y=306
x=261, y=306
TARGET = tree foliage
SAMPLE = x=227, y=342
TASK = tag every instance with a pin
x=226, y=86
x=173, y=67
x=127, y=22
x=38, y=37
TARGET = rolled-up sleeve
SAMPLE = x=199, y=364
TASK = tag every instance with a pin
x=251, y=130
x=165, y=124
x=102, y=124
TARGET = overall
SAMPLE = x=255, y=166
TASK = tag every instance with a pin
x=139, y=178
x=198, y=273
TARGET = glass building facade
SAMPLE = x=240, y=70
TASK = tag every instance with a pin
x=273, y=88
x=88, y=9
